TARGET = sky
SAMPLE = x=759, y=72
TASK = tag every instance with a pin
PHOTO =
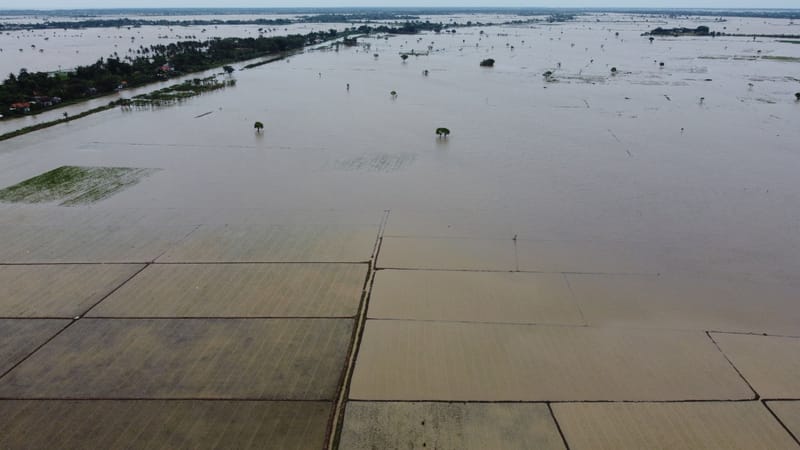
x=76, y=4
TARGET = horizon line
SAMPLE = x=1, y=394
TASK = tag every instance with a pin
x=511, y=7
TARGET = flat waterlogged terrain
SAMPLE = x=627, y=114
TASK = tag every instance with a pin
x=699, y=154
x=625, y=239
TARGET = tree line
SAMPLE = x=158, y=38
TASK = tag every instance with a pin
x=32, y=91
x=137, y=23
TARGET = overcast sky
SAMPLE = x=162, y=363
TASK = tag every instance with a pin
x=73, y=4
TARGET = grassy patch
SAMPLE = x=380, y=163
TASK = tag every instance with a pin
x=72, y=185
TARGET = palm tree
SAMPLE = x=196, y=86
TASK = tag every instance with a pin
x=442, y=132
x=259, y=127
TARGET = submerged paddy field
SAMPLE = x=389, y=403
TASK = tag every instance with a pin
x=592, y=258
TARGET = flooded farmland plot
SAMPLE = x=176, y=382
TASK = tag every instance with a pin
x=607, y=238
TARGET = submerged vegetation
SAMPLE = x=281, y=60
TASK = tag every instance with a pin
x=73, y=185
x=181, y=91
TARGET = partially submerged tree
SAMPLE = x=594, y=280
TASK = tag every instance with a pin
x=404, y=57
x=393, y=94
x=442, y=132
x=259, y=127
x=227, y=69
x=797, y=96
x=487, y=63
x=613, y=71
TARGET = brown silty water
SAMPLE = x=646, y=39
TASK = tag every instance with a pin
x=635, y=160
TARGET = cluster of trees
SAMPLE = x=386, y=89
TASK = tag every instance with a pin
x=560, y=17
x=150, y=64
x=410, y=27
x=699, y=31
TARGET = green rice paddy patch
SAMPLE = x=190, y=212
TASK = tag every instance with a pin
x=73, y=185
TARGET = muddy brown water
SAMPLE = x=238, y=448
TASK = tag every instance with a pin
x=590, y=157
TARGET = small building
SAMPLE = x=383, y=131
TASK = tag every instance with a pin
x=20, y=106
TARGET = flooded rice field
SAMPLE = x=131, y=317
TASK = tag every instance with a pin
x=622, y=229
x=698, y=154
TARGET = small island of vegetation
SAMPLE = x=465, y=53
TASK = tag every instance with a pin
x=699, y=31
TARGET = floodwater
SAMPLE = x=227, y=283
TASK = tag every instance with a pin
x=699, y=155
x=592, y=237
